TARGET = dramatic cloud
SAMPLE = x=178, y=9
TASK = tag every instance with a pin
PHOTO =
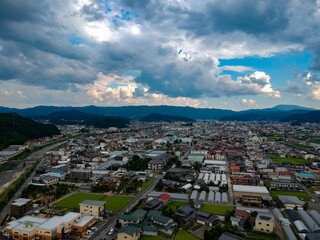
x=305, y=84
x=153, y=52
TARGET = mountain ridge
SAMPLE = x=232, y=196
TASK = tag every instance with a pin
x=138, y=112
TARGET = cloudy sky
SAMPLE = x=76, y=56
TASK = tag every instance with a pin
x=231, y=54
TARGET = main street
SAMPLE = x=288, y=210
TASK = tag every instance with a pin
x=103, y=231
x=34, y=156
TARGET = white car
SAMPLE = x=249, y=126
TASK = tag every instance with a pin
x=111, y=231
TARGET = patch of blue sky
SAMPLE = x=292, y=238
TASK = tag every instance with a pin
x=74, y=39
x=132, y=73
x=180, y=51
x=279, y=67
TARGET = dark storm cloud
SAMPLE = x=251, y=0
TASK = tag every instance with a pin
x=249, y=16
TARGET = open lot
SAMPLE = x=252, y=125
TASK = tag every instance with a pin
x=216, y=209
x=301, y=195
x=313, y=189
x=280, y=160
x=184, y=235
x=113, y=203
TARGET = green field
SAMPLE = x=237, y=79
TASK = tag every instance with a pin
x=216, y=209
x=152, y=238
x=113, y=203
x=280, y=160
x=301, y=195
x=313, y=189
x=302, y=147
x=184, y=235
x=146, y=184
x=175, y=204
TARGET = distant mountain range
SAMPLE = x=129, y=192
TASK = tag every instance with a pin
x=15, y=129
x=73, y=117
x=157, y=117
x=313, y=116
x=276, y=113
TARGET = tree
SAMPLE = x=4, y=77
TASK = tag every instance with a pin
x=208, y=235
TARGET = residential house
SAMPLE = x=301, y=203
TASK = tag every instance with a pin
x=128, y=233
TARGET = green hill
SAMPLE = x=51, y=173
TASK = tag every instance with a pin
x=74, y=117
x=22, y=130
x=157, y=117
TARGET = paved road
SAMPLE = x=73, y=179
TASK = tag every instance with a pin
x=102, y=232
x=36, y=156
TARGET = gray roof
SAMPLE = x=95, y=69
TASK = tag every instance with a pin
x=315, y=215
x=265, y=217
x=289, y=233
x=308, y=221
x=130, y=230
x=229, y=236
x=290, y=200
x=93, y=203
x=313, y=236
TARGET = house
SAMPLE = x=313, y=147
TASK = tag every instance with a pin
x=162, y=223
x=291, y=202
x=164, y=198
x=133, y=218
x=153, y=204
x=264, y=222
x=205, y=218
x=238, y=222
x=92, y=208
x=185, y=213
x=128, y=233
x=242, y=214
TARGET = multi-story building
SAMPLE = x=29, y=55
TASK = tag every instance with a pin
x=92, y=208
x=57, y=227
x=81, y=173
x=264, y=222
x=20, y=206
